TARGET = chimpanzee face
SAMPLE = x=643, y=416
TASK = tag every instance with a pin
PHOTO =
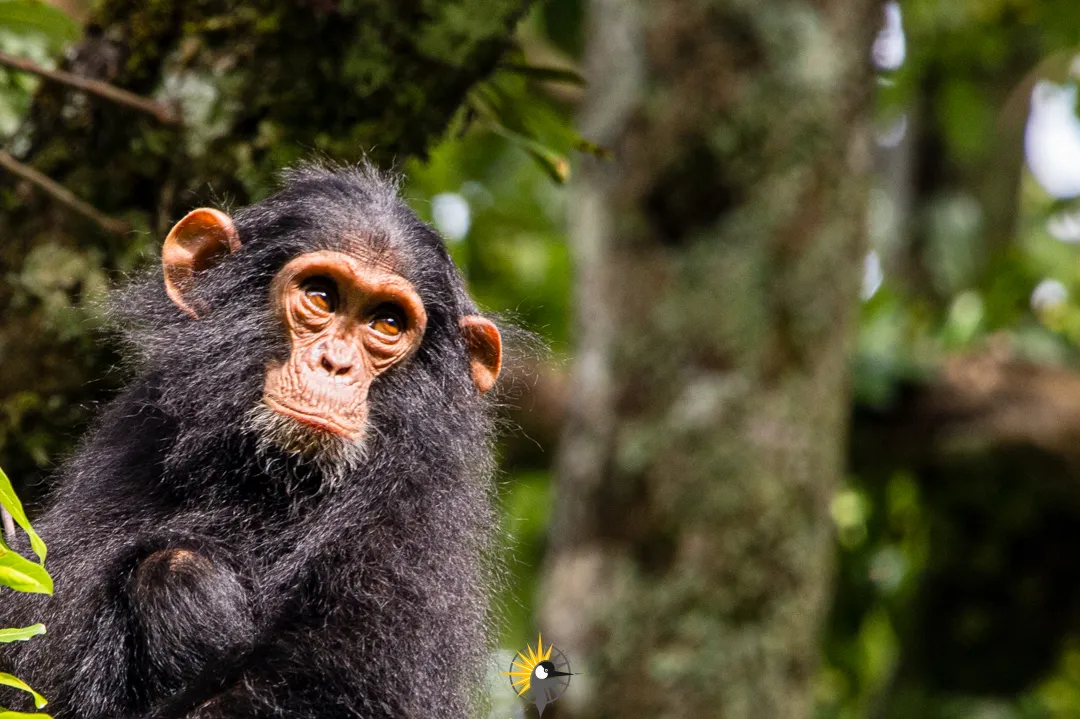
x=348, y=317
x=348, y=321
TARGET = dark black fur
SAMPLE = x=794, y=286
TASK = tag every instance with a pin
x=367, y=598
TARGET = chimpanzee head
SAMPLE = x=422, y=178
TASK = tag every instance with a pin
x=315, y=322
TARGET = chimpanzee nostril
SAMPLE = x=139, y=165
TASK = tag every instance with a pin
x=334, y=368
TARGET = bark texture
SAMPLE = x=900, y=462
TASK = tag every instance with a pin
x=719, y=257
x=260, y=85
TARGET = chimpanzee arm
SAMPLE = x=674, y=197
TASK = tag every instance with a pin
x=143, y=598
x=284, y=669
x=134, y=619
x=357, y=636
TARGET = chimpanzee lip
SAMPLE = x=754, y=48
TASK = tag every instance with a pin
x=308, y=418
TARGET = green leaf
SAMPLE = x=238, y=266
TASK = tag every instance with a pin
x=22, y=575
x=21, y=635
x=555, y=164
x=12, y=504
x=24, y=17
x=9, y=680
x=531, y=124
x=8, y=714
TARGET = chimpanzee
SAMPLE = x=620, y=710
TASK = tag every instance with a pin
x=288, y=512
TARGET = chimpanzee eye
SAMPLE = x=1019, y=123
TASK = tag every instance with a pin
x=388, y=320
x=321, y=292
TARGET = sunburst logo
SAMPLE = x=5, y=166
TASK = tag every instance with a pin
x=540, y=676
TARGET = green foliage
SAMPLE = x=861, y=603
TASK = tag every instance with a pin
x=22, y=575
x=33, y=20
x=20, y=635
x=34, y=30
x=526, y=511
x=514, y=253
x=12, y=504
x=514, y=105
x=969, y=264
x=11, y=681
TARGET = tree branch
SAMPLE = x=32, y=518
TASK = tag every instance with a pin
x=61, y=194
x=976, y=403
x=162, y=112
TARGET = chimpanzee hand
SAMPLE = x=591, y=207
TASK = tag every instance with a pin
x=189, y=610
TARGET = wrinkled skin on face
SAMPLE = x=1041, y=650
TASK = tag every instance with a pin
x=348, y=321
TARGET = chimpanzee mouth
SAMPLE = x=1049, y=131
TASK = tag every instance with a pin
x=335, y=452
x=311, y=419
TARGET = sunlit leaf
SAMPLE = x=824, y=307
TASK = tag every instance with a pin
x=531, y=123
x=12, y=504
x=22, y=575
x=25, y=17
x=554, y=163
x=10, y=680
x=8, y=714
x=21, y=634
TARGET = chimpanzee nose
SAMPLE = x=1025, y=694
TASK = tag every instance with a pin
x=336, y=364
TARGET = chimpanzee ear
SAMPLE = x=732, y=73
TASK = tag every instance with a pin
x=197, y=242
x=485, y=350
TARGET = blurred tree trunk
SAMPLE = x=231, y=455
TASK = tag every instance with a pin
x=719, y=254
x=260, y=85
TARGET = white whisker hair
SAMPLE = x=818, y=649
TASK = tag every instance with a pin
x=333, y=456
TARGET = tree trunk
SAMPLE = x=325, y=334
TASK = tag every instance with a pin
x=719, y=256
x=260, y=85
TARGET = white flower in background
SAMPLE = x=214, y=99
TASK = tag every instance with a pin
x=872, y=275
x=1052, y=139
x=890, y=46
x=452, y=216
x=1048, y=295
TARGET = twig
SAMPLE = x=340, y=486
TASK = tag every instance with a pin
x=61, y=194
x=162, y=112
x=9, y=525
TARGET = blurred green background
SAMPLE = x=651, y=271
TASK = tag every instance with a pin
x=958, y=583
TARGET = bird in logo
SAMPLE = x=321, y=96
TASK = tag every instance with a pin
x=533, y=673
